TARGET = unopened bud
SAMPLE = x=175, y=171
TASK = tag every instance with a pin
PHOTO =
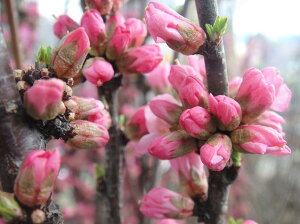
x=9, y=207
x=88, y=135
x=38, y=216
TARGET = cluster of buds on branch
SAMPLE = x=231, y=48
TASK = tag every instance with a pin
x=217, y=128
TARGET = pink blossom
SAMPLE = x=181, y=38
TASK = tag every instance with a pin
x=260, y=140
x=70, y=53
x=102, y=118
x=283, y=94
x=138, y=31
x=172, y=145
x=193, y=93
x=227, y=111
x=167, y=26
x=154, y=124
x=94, y=27
x=198, y=65
x=270, y=119
x=166, y=107
x=118, y=43
x=103, y=6
x=255, y=94
x=167, y=221
x=216, y=152
x=113, y=21
x=86, y=90
x=178, y=73
x=35, y=180
x=98, y=71
x=197, y=122
x=88, y=135
x=136, y=127
x=140, y=60
x=158, y=78
x=160, y=203
x=43, y=101
x=191, y=174
x=234, y=86
x=143, y=144
x=249, y=222
x=63, y=25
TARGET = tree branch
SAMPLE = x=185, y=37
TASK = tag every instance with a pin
x=17, y=136
x=109, y=188
x=216, y=204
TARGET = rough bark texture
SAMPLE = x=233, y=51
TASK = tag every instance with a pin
x=215, y=63
x=17, y=136
x=215, y=208
x=109, y=188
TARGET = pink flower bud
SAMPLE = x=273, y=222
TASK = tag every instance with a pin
x=118, y=43
x=260, y=140
x=166, y=107
x=69, y=55
x=102, y=118
x=144, y=143
x=191, y=173
x=216, y=152
x=249, y=222
x=43, y=101
x=98, y=71
x=84, y=107
x=270, y=119
x=63, y=25
x=161, y=203
x=227, y=111
x=140, y=60
x=136, y=127
x=158, y=78
x=255, y=94
x=103, y=6
x=94, y=27
x=197, y=122
x=234, y=86
x=35, y=180
x=88, y=135
x=198, y=65
x=138, y=32
x=283, y=94
x=178, y=73
x=172, y=145
x=193, y=93
x=113, y=21
x=167, y=26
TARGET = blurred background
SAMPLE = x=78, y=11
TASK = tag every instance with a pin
x=261, y=33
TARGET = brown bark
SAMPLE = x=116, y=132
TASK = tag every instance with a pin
x=109, y=189
x=17, y=136
x=215, y=208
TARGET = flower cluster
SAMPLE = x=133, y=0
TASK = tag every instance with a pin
x=116, y=45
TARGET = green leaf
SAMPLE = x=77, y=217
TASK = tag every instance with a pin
x=231, y=220
x=122, y=120
x=44, y=55
x=99, y=172
x=216, y=31
x=239, y=221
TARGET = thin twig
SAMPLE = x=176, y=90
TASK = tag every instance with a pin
x=13, y=25
x=216, y=204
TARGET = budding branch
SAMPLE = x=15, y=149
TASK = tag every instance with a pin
x=215, y=207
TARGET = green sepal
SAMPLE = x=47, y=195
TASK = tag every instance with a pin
x=236, y=158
